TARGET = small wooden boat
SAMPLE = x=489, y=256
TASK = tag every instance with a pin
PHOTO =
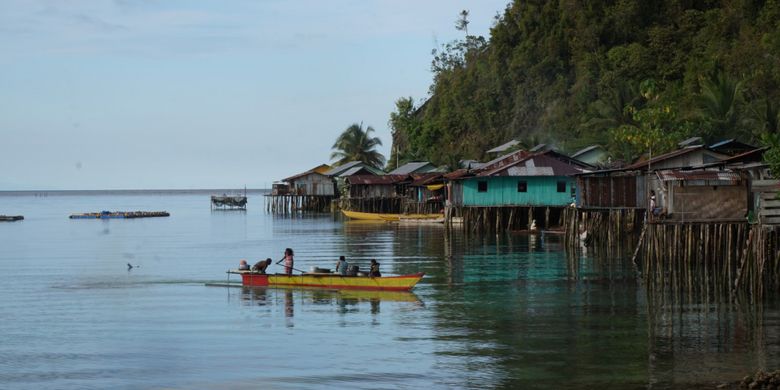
x=386, y=217
x=370, y=216
x=10, y=218
x=329, y=281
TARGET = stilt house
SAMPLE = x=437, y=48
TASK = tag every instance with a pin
x=312, y=182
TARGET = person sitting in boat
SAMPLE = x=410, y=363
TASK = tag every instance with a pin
x=374, y=270
x=342, y=266
x=288, y=261
x=243, y=265
x=261, y=266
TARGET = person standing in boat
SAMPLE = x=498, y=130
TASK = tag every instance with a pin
x=374, y=270
x=342, y=266
x=288, y=261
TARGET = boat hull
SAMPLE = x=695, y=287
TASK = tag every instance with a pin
x=370, y=216
x=332, y=281
x=388, y=217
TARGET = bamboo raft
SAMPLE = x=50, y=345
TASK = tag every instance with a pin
x=120, y=214
x=10, y=218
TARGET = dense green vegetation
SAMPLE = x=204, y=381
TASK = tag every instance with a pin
x=628, y=74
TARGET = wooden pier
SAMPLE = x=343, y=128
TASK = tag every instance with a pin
x=712, y=259
x=381, y=205
x=289, y=203
x=498, y=219
x=612, y=232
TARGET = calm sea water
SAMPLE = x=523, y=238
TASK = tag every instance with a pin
x=508, y=311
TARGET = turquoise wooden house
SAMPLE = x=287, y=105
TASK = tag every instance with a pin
x=537, y=180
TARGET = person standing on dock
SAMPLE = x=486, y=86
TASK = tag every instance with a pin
x=288, y=261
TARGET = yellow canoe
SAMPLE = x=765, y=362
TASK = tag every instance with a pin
x=330, y=281
x=371, y=216
x=387, y=217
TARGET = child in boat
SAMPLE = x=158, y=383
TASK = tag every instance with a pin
x=243, y=266
x=374, y=270
x=288, y=261
x=261, y=265
x=342, y=266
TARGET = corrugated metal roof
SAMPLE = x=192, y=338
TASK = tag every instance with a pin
x=411, y=167
x=586, y=150
x=342, y=168
x=373, y=179
x=754, y=155
x=319, y=169
x=426, y=178
x=470, y=164
x=664, y=157
x=454, y=175
x=693, y=141
x=674, y=175
x=351, y=171
x=722, y=143
x=504, y=160
x=540, y=164
x=504, y=147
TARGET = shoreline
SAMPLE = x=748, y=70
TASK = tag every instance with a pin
x=205, y=191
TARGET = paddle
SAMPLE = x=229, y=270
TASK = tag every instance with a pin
x=295, y=269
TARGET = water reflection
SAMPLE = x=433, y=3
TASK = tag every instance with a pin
x=344, y=301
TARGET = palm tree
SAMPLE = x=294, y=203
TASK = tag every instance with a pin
x=356, y=144
x=610, y=110
x=719, y=101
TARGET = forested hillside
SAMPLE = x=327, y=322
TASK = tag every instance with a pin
x=630, y=75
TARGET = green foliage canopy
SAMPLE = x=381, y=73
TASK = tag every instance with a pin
x=356, y=144
x=628, y=74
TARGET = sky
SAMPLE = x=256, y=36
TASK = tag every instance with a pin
x=144, y=94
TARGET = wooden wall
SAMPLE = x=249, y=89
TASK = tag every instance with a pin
x=313, y=184
x=704, y=203
x=611, y=192
x=502, y=191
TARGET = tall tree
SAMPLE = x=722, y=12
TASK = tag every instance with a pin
x=356, y=144
x=462, y=24
x=405, y=127
x=563, y=70
x=718, y=103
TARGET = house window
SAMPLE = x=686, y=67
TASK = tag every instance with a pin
x=481, y=186
x=561, y=186
x=522, y=186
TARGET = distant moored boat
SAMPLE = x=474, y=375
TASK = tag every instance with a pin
x=120, y=214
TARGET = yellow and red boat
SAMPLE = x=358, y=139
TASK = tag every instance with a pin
x=330, y=281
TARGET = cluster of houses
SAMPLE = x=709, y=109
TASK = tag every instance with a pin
x=725, y=181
